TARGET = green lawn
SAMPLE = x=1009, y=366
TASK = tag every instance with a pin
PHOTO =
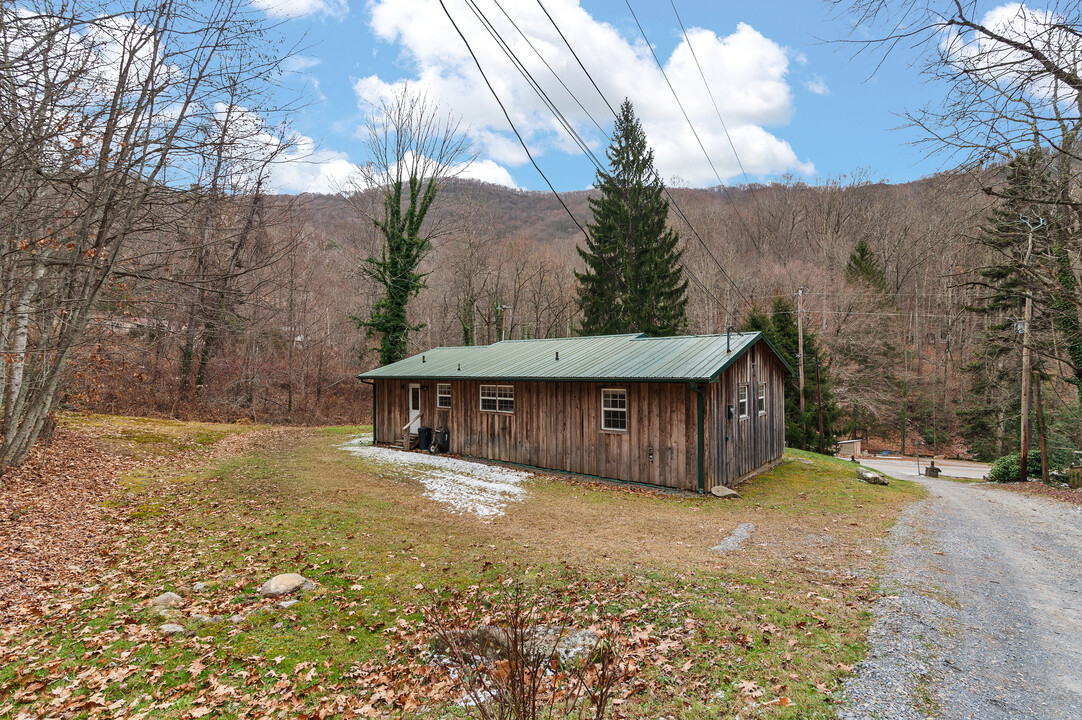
x=781, y=620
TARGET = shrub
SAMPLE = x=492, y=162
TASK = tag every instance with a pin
x=1006, y=468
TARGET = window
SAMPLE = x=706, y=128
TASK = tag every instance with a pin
x=498, y=398
x=760, y=399
x=505, y=399
x=742, y=399
x=614, y=410
x=488, y=398
x=443, y=395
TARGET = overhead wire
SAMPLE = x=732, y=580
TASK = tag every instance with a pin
x=510, y=122
x=531, y=81
x=546, y=100
x=672, y=200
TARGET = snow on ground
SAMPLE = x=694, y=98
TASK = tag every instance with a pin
x=463, y=486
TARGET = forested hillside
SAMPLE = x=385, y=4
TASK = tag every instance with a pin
x=278, y=340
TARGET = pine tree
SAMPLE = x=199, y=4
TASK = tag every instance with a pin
x=634, y=280
x=864, y=268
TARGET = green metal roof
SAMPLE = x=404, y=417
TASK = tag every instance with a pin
x=626, y=358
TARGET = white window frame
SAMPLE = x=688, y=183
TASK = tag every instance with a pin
x=606, y=394
x=742, y=400
x=502, y=397
x=488, y=392
x=440, y=395
x=505, y=399
x=760, y=398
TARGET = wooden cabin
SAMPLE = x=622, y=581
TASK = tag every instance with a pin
x=687, y=412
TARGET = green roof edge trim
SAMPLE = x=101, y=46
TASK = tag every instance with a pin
x=740, y=354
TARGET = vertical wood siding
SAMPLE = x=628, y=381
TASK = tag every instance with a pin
x=736, y=447
x=557, y=425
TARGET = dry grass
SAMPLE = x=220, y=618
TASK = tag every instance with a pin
x=782, y=618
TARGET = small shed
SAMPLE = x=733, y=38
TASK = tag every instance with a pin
x=849, y=448
x=688, y=412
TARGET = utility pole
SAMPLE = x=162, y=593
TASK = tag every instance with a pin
x=800, y=361
x=1027, y=357
x=819, y=395
x=1027, y=375
x=1040, y=426
x=503, y=321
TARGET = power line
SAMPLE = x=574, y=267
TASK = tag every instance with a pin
x=509, y=120
x=709, y=92
x=520, y=66
x=679, y=104
x=672, y=200
x=531, y=81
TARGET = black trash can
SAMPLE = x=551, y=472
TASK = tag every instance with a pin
x=443, y=439
x=424, y=437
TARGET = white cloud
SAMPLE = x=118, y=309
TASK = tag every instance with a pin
x=817, y=86
x=306, y=168
x=999, y=64
x=300, y=8
x=490, y=172
x=747, y=73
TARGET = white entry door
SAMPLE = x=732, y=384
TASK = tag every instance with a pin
x=415, y=408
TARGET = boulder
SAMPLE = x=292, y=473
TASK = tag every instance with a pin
x=286, y=604
x=168, y=599
x=872, y=478
x=171, y=629
x=539, y=642
x=200, y=587
x=723, y=492
x=286, y=584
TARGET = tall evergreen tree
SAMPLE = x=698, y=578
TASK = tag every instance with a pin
x=634, y=280
x=801, y=429
x=864, y=268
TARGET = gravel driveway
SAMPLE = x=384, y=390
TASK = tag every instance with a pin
x=983, y=614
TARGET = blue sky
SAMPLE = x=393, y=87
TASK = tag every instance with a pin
x=793, y=102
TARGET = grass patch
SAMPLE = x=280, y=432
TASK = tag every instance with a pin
x=785, y=616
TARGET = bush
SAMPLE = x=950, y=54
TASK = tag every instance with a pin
x=1006, y=468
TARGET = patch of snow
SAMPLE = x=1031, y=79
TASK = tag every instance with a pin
x=735, y=538
x=461, y=485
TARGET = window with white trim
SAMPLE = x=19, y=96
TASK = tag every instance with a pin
x=443, y=395
x=505, y=398
x=614, y=409
x=742, y=400
x=498, y=398
x=760, y=399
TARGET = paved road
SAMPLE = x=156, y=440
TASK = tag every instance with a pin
x=983, y=617
x=906, y=468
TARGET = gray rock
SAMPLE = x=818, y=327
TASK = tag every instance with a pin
x=200, y=587
x=285, y=584
x=171, y=629
x=286, y=604
x=872, y=478
x=166, y=613
x=236, y=618
x=723, y=492
x=565, y=644
x=735, y=539
x=207, y=619
x=168, y=599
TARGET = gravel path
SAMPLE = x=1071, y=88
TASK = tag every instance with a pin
x=983, y=614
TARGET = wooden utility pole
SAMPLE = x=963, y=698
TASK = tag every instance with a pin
x=1027, y=358
x=1040, y=425
x=819, y=402
x=800, y=362
x=1027, y=375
